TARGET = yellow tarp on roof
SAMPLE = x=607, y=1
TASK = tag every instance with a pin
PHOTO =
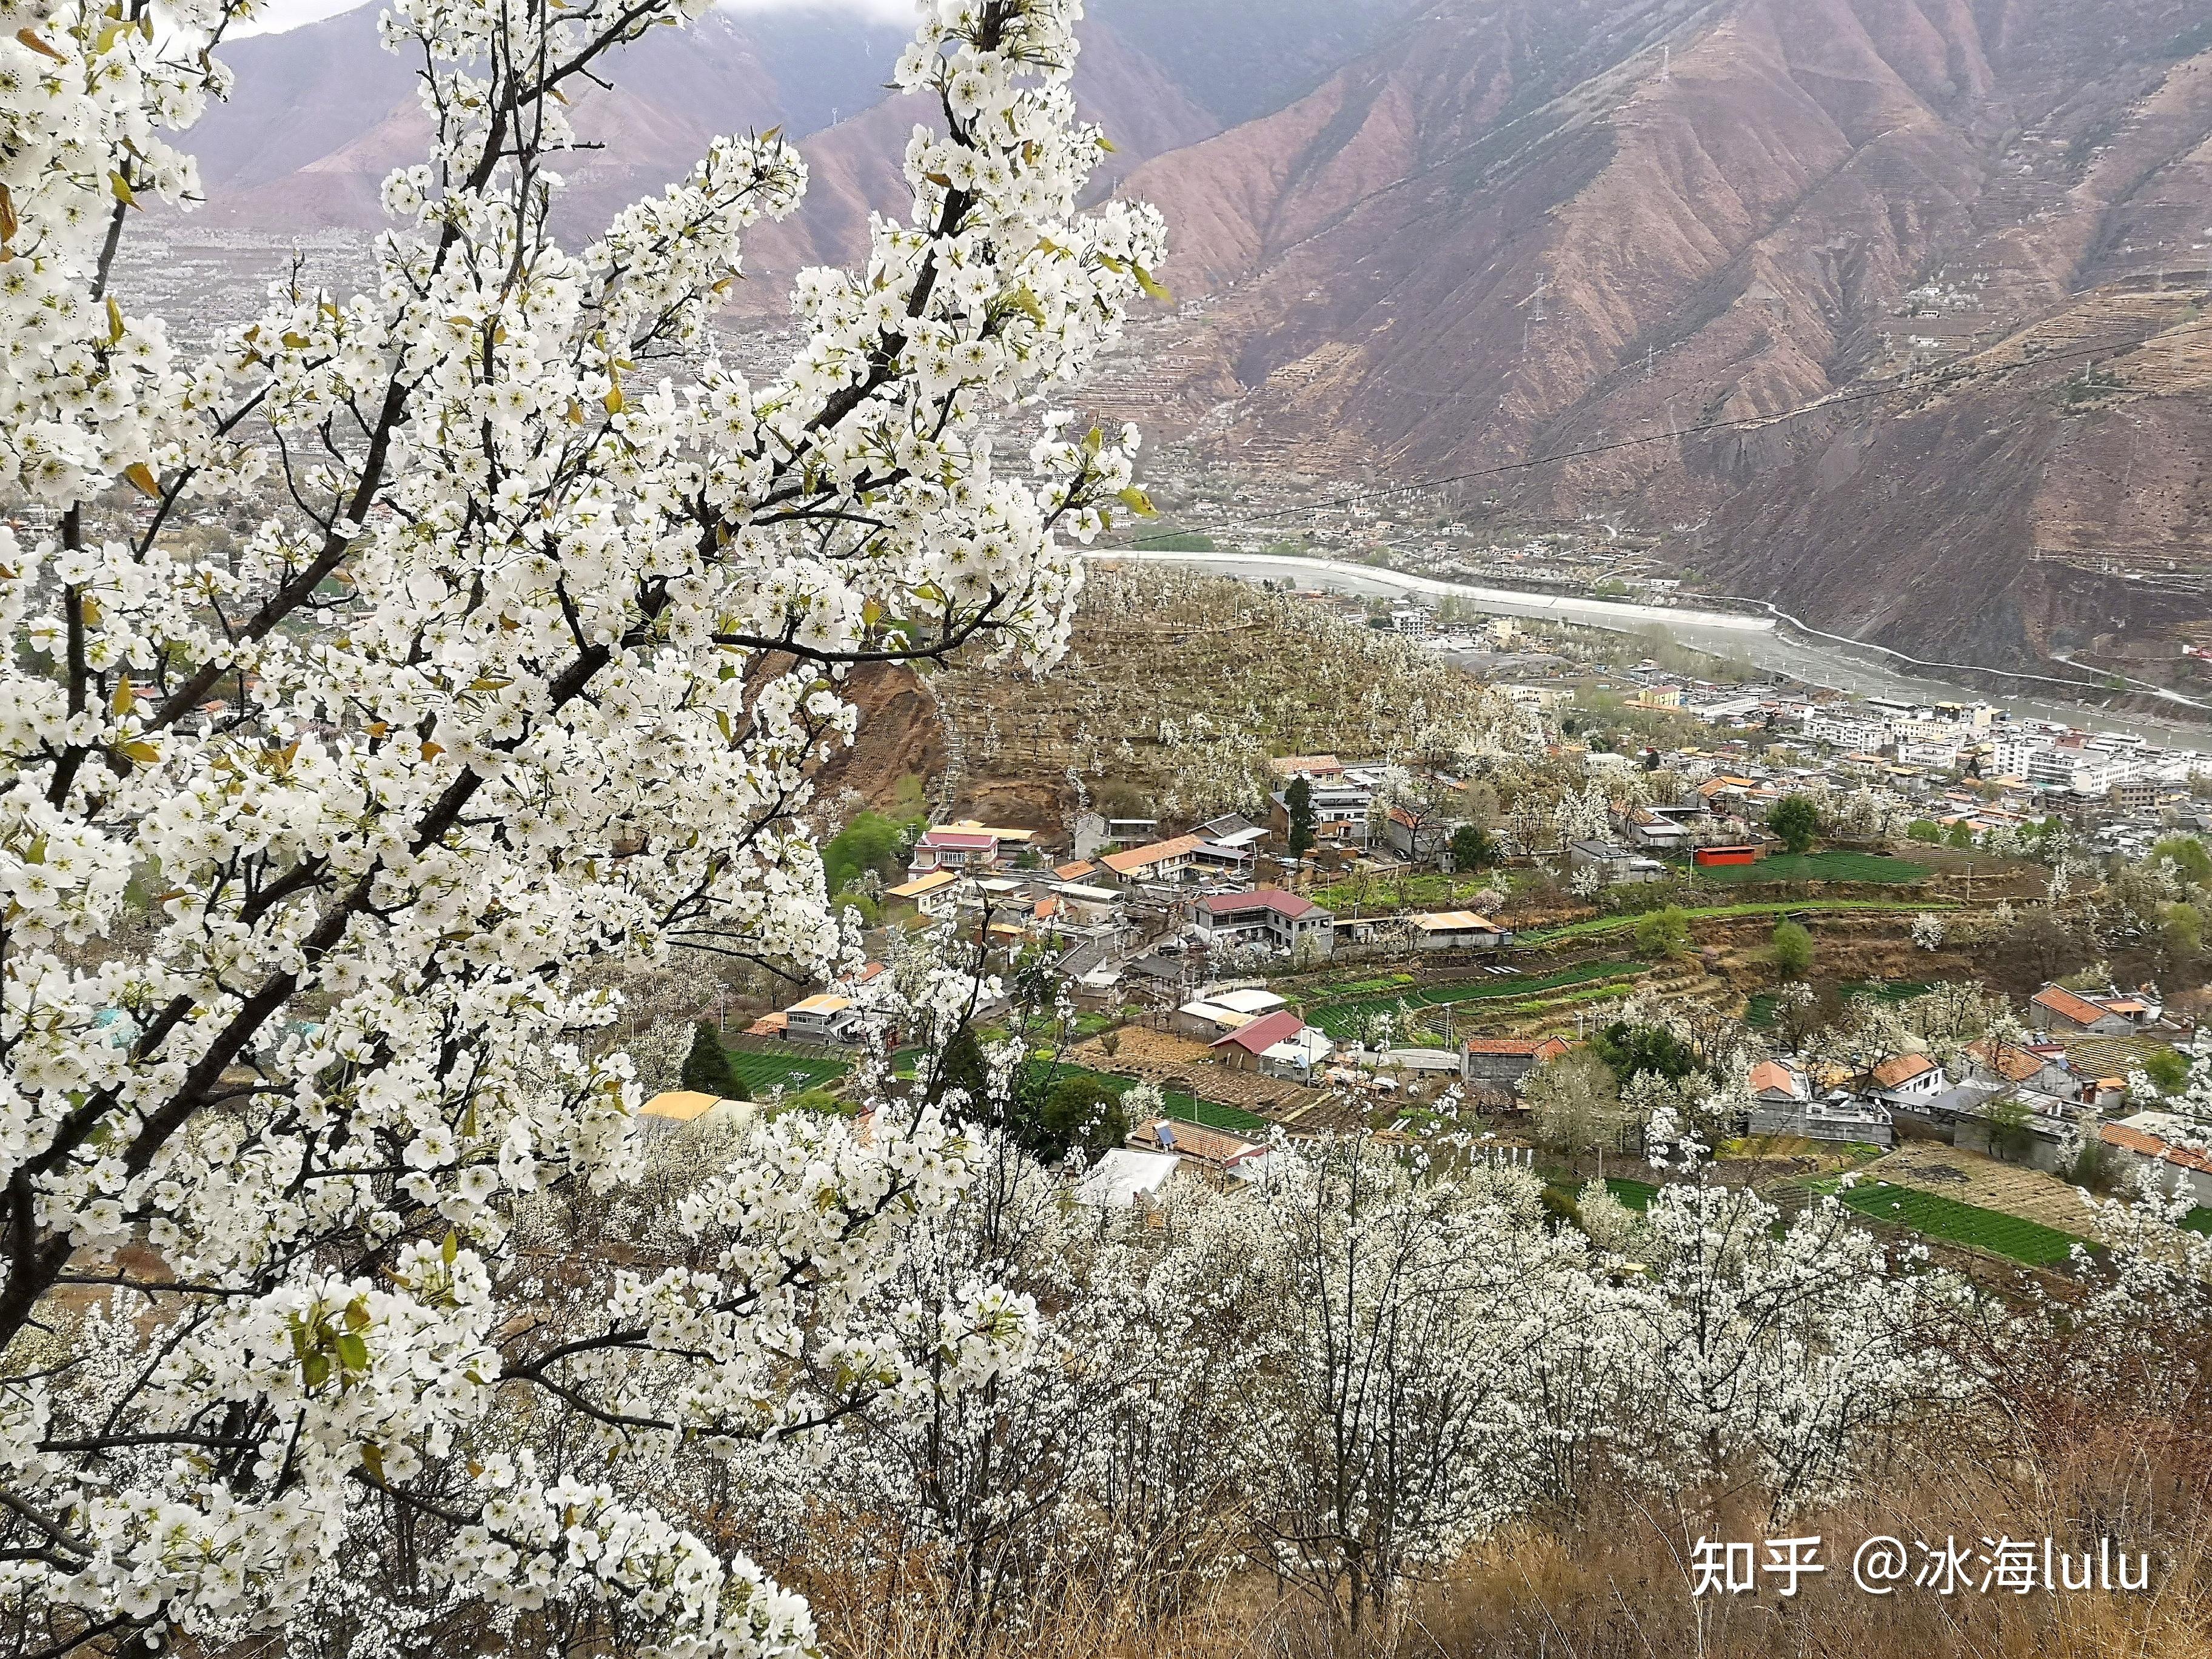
x=680, y=1105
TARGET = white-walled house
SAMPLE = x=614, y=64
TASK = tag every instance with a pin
x=1266, y=916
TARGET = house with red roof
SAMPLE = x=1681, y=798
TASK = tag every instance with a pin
x=1267, y=917
x=2069, y=1013
x=1504, y=1063
x=963, y=852
x=1280, y=1044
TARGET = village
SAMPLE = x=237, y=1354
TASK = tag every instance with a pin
x=1885, y=950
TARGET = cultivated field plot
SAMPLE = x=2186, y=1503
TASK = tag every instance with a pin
x=1180, y=1065
x=1819, y=867
x=1759, y=1011
x=764, y=1069
x=1342, y=1018
x=1598, y=926
x=1962, y=1224
x=2112, y=1056
x=1971, y=1178
x=1188, y=1109
x=1635, y=1195
x=1358, y=893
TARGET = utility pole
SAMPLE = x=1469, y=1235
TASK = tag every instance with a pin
x=1533, y=306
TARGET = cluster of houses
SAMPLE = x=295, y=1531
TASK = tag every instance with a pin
x=1161, y=911
x=2032, y=1103
x=1926, y=755
x=1252, y=1028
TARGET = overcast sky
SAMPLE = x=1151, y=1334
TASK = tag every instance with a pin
x=278, y=16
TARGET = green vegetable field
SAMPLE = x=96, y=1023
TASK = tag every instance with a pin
x=1962, y=1224
x=1819, y=867
x=763, y=1070
x=1340, y=1018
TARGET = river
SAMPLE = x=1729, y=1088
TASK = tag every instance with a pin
x=1762, y=640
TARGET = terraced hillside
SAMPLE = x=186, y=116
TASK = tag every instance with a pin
x=1177, y=688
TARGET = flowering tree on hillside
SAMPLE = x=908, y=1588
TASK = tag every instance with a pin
x=524, y=667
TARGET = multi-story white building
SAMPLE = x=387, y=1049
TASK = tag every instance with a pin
x=2071, y=764
x=2013, y=754
x=1915, y=749
x=1847, y=726
x=1282, y=921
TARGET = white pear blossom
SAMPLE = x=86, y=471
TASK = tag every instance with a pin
x=527, y=670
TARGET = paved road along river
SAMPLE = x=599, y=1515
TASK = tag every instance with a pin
x=1762, y=640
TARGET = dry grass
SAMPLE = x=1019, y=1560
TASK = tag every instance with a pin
x=1614, y=1582
x=1619, y=1582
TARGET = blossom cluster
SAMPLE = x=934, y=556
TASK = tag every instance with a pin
x=527, y=666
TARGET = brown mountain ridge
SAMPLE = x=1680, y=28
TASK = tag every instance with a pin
x=1515, y=229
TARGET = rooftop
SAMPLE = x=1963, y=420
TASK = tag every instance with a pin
x=1291, y=906
x=1142, y=858
x=1264, y=1032
x=1455, y=921
x=1539, y=1049
x=2069, y=1006
x=1193, y=1141
x=1902, y=1068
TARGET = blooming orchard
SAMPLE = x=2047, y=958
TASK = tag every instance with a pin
x=524, y=666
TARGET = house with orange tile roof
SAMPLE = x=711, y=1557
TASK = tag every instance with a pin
x=2170, y=1145
x=2069, y=1013
x=1215, y=1151
x=1774, y=1083
x=1160, y=862
x=2010, y=1063
x=1504, y=1063
x=1911, y=1075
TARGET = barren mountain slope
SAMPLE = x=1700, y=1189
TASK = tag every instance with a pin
x=323, y=112
x=856, y=166
x=1516, y=229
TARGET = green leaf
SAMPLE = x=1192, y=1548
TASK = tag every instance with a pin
x=1138, y=503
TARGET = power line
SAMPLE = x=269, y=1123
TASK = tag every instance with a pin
x=1936, y=382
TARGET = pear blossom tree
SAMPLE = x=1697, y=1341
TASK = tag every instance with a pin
x=1117, y=1463
x=1438, y=1350
x=1789, y=1347
x=525, y=668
